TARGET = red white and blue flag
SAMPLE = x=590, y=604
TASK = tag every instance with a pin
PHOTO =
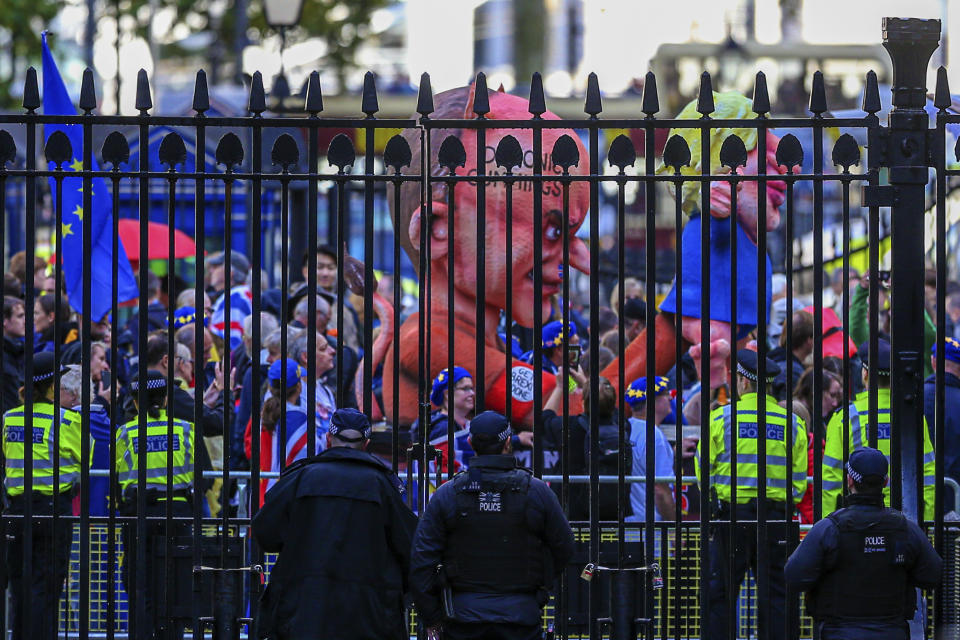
x=241, y=306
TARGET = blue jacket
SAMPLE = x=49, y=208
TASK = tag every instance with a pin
x=951, y=420
x=544, y=517
x=818, y=552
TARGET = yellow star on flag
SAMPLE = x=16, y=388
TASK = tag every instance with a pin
x=76, y=165
x=78, y=211
x=66, y=230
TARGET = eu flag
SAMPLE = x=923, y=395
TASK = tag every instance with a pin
x=56, y=101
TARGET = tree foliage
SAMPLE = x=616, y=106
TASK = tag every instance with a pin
x=342, y=24
x=21, y=22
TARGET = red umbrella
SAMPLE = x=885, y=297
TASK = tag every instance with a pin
x=157, y=241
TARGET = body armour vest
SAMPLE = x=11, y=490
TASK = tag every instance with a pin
x=870, y=577
x=490, y=548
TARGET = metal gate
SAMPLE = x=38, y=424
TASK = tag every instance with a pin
x=505, y=187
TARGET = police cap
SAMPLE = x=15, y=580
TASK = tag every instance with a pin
x=155, y=380
x=748, y=366
x=881, y=361
x=345, y=422
x=45, y=367
x=490, y=426
x=867, y=464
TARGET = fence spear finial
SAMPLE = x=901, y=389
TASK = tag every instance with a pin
x=313, y=103
x=651, y=100
x=705, y=104
x=370, y=104
x=481, y=98
x=88, y=96
x=941, y=97
x=31, y=91
x=593, y=104
x=425, y=96
x=257, y=100
x=761, y=98
x=871, y=94
x=201, y=96
x=818, y=94
x=537, y=104
x=144, y=102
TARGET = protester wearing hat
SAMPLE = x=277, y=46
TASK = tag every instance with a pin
x=738, y=432
x=283, y=424
x=339, y=522
x=860, y=567
x=147, y=440
x=50, y=546
x=636, y=396
x=552, y=338
x=951, y=407
x=452, y=395
x=854, y=420
x=490, y=529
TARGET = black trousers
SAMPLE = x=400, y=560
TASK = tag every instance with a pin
x=49, y=557
x=453, y=630
x=155, y=595
x=725, y=580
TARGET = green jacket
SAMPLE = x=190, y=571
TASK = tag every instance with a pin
x=860, y=325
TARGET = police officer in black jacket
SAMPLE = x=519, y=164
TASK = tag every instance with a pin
x=860, y=565
x=343, y=533
x=488, y=545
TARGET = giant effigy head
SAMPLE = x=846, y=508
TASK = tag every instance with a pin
x=731, y=105
x=458, y=104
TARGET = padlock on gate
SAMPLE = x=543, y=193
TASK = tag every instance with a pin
x=587, y=573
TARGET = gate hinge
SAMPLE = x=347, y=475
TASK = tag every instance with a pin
x=879, y=195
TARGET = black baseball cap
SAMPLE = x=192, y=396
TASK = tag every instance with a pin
x=345, y=421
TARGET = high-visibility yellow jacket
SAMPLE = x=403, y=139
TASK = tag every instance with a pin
x=158, y=447
x=725, y=423
x=41, y=434
x=834, y=463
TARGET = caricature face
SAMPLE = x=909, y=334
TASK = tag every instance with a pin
x=747, y=197
x=525, y=261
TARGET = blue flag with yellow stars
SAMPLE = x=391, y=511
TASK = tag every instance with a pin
x=56, y=101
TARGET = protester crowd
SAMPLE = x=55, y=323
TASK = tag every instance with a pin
x=281, y=393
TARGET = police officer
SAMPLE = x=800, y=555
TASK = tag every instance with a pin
x=50, y=549
x=859, y=419
x=343, y=532
x=158, y=446
x=488, y=545
x=738, y=429
x=860, y=565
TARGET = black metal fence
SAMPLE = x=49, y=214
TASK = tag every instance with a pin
x=515, y=185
